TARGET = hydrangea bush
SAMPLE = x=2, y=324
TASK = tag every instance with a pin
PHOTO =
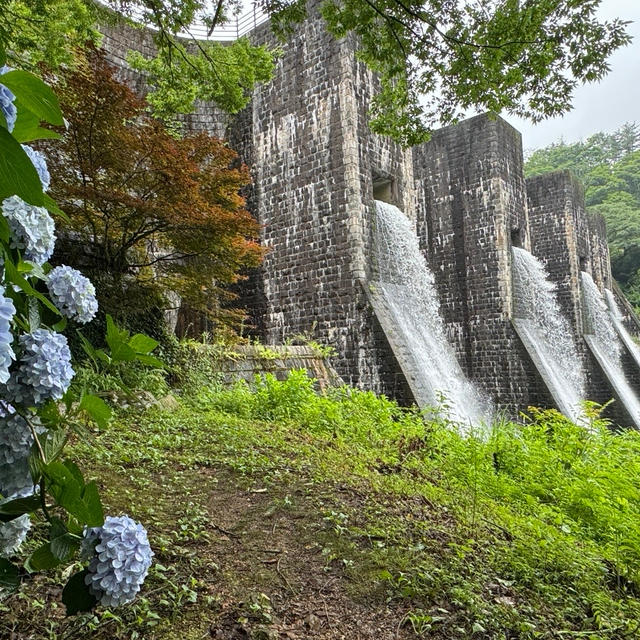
x=38, y=404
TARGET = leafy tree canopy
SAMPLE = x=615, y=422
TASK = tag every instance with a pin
x=437, y=60
x=147, y=212
x=609, y=166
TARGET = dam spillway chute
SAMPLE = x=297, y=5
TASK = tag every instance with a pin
x=607, y=347
x=618, y=323
x=405, y=300
x=546, y=334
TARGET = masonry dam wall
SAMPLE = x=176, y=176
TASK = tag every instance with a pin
x=505, y=259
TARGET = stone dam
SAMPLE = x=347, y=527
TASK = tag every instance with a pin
x=437, y=273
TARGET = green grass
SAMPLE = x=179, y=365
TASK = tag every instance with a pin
x=530, y=531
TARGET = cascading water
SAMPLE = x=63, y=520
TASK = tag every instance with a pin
x=618, y=323
x=546, y=333
x=405, y=286
x=605, y=344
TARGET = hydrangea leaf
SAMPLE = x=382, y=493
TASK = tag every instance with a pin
x=5, y=233
x=52, y=207
x=27, y=126
x=14, y=508
x=62, y=543
x=54, y=443
x=15, y=277
x=91, y=499
x=42, y=558
x=35, y=95
x=18, y=176
x=76, y=595
x=9, y=577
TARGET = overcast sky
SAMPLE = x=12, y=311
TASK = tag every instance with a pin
x=603, y=106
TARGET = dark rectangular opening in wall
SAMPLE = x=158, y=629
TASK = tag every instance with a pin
x=383, y=189
x=583, y=263
x=516, y=238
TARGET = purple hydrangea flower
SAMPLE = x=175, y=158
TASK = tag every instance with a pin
x=14, y=532
x=73, y=294
x=7, y=311
x=40, y=164
x=120, y=557
x=7, y=106
x=32, y=229
x=44, y=368
x=16, y=439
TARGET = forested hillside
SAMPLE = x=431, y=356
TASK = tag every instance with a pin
x=609, y=166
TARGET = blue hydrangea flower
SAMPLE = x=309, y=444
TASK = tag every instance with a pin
x=16, y=439
x=7, y=106
x=40, y=163
x=44, y=368
x=32, y=229
x=14, y=532
x=7, y=311
x=73, y=294
x=120, y=557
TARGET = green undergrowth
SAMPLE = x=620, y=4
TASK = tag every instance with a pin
x=525, y=530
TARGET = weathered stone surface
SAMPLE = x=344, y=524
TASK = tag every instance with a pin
x=317, y=169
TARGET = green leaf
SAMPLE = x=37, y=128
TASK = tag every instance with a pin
x=150, y=360
x=5, y=232
x=15, y=277
x=35, y=95
x=60, y=326
x=142, y=344
x=66, y=489
x=18, y=176
x=52, y=207
x=49, y=414
x=54, y=444
x=42, y=558
x=9, y=577
x=97, y=409
x=62, y=543
x=74, y=469
x=27, y=127
x=91, y=498
x=76, y=595
x=15, y=508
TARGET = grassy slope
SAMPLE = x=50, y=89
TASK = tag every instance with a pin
x=282, y=514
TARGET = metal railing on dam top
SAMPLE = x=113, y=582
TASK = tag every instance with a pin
x=232, y=29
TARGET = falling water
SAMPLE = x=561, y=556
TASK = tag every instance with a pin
x=407, y=288
x=546, y=333
x=618, y=323
x=606, y=346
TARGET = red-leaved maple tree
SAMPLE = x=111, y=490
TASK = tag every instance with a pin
x=149, y=212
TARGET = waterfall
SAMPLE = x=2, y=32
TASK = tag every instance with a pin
x=605, y=344
x=618, y=323
x=407, y=305
x=547, y=334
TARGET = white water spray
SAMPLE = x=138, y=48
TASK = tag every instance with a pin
x=606, y=346
x=547, y=334
x=405, y=286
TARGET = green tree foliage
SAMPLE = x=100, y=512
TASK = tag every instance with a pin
x=609, y=167
x=183, y=70
x=437, y=60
